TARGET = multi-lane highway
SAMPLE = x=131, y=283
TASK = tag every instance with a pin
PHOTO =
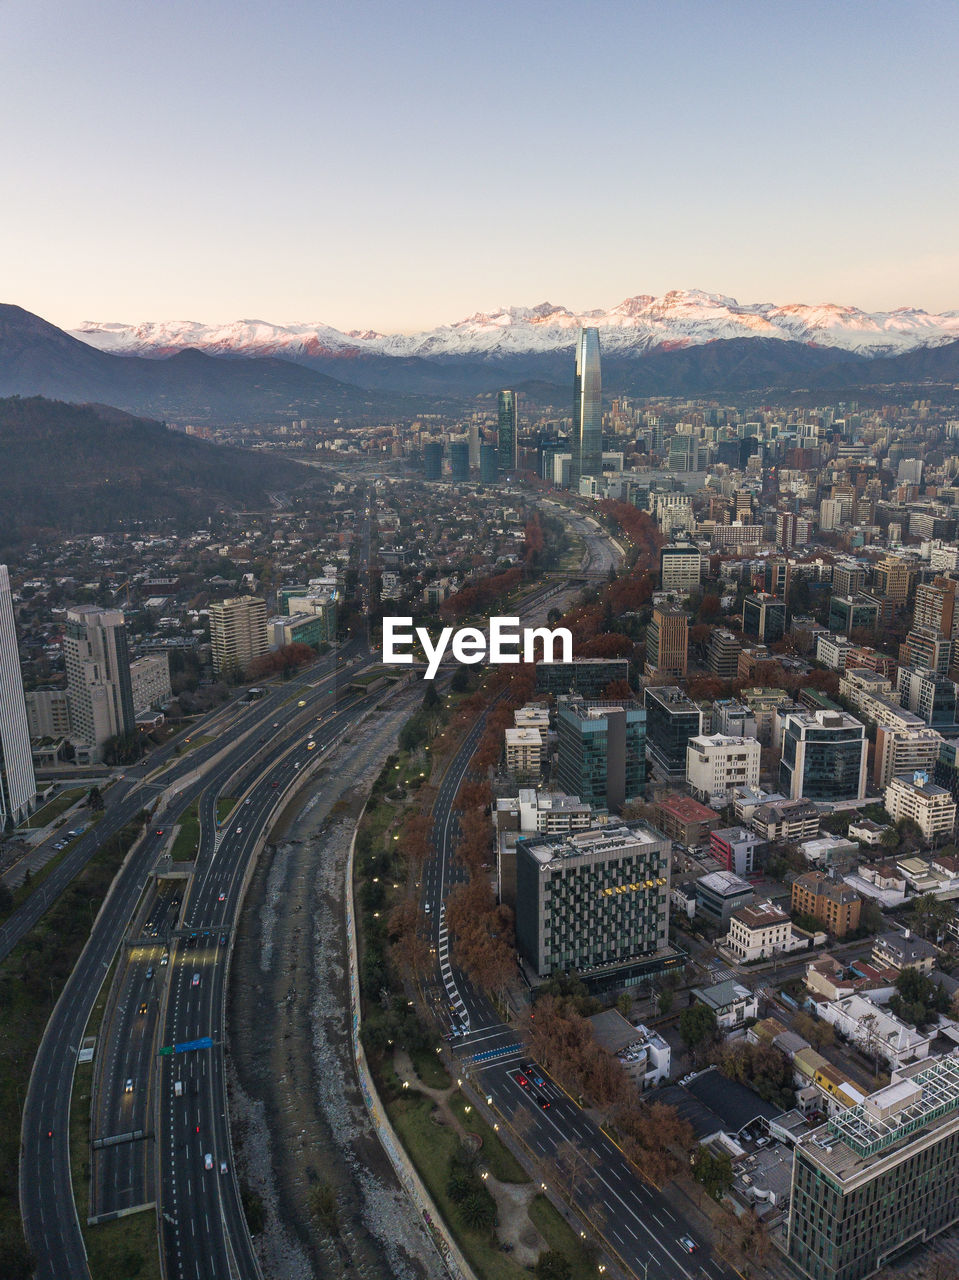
x=203, y=1230
x=46, y=1192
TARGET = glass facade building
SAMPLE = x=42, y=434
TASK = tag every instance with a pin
x=764, y=618
x=671, y=720
x=602, y=751
x=459, y=460
x=508, y=438
x=488, y=464
x=823, y=756
x=433, y=461
x=589, y=676
x=587, y=442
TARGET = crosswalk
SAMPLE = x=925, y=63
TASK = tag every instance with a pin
x=454, y=999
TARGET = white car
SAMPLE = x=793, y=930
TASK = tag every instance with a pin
x=208, y=1161
x=196, y=980
x=223, y=1166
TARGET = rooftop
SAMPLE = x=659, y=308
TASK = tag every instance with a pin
x=686, y=809
x=721, y=995
x=553, y=851
x=923, y=1097
x=760, y=915
x=724, y=883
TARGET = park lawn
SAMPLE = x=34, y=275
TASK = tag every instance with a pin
x=500, y=1161
x=430, y=1146
x=199, y=740
x=561, y=1237
x=187, y=840
x=53, y=808
x=429, y=1068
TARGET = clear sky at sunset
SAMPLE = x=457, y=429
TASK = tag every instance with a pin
x=396, y=165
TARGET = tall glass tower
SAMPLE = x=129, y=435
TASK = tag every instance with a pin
x=508, y=446
x=587, y=442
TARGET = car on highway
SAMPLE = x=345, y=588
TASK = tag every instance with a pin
x=427, y=908
x=688, y=1244
x=208, y=1161
x=223, y=1166
x=311, y=746
x=128, y=1087
x=522, y=1079
x=165, y=958
x=534, y=1074
x=276, y=724
x=301, y=703
x=150, y=973
x=196, y=980
x=159, y=832
x=222, y=898
x=222, y=939
x=143, y=1006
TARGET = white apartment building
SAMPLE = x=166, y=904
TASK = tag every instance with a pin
x=150, y=680
x=932, y=808
x=524, y=752
x=833, y=651
x=682, y=567
x=717, y=763
x=759, y=931
x=876, y=1031
x=903, y=752
x=873, y=695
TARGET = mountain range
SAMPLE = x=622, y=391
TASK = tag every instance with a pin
x=681, y=318
x=689, y=343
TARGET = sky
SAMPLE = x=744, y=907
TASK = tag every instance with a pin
x=394, y=166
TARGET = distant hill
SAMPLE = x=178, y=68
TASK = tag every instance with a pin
x=68, y=468
x=37, y=358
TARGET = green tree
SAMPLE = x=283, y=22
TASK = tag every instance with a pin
x=697, y=1026
x=552, y=1265
x=94, y=800
x=715, y=1172
x=478, y=1210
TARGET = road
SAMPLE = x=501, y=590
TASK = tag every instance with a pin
x=637, y=1224
x=46, y=1193
x=203, y=1228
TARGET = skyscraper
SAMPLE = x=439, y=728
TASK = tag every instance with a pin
x=98, y=677
x=18, y=788
x=587, y=442
x=238, y=633
x=508, y=432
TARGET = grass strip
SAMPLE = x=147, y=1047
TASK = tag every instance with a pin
x=187, y=840
x=53, y=808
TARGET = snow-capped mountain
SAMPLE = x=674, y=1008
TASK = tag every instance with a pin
x=681, y=318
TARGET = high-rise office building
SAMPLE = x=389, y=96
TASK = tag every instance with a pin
x=433, y=460
x=602, y=750
x=722, y=658
x=667, y=641
x=671, y=720
x=238, y=633
x=473, y=440
x=488, y=464
x=764, y=618
x=594, y=900
x=459, y=460
x=18, y=788
x=98, y=677
x=879, y=1176
x=508, y=439
x=680, y=566
x=823, y=756
x=587, y=441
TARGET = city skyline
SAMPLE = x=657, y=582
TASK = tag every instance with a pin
x=334, y=167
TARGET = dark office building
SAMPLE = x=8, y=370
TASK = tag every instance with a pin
x=671, y=720
x=722, y=658
x=879, y=1178
x=590, y=677
x=853, y=613
x=594, y=900
x=508, y=438
x=459, y=460
x=489, y=464
x=764, y=618
x=602, y=751
x=433, y=461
